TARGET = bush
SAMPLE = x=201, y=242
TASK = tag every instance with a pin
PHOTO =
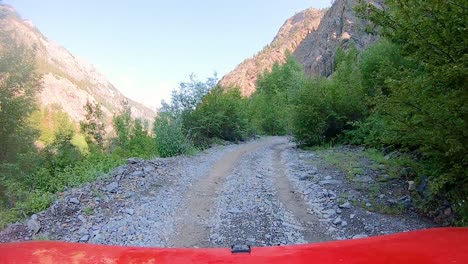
x=422, y=96
x=221, y=114
x=325, y=109
x=169, y=136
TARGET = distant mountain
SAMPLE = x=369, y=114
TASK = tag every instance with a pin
x=312, y=36
x=340, y=27
x=290, y=35
x=67, y=81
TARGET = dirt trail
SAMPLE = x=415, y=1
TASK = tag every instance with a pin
x=191, y=229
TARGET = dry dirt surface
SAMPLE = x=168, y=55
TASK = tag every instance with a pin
x=262, y=192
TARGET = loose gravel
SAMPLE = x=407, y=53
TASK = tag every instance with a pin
x=267, y=193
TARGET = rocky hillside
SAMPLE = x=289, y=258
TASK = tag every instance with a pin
x=313, y=37
x=339, y=28
x=290, y=35
x=67, y=81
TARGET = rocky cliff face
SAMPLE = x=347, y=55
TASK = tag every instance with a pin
x=290, y=35
x=313, y=37
x=67, y=81
x=339, y=28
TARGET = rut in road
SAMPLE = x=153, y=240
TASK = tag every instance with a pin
x=246, y=198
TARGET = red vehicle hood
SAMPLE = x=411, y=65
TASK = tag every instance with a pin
x=438, y=245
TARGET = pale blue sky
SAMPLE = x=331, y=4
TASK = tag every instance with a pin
x=146, y=48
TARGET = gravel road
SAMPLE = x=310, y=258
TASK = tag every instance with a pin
x=260, y=193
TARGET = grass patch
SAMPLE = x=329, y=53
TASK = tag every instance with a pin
x=46, y=183
x=348, y=162
x=42, y=237
x=88, y=210
x=396, y=167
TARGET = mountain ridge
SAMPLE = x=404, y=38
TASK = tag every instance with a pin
x=289, y=36
x=314, y=47
x=340, y=28
x=67, y=80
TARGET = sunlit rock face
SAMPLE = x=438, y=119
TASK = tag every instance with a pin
x=340, y=27
x=67, y=81
x=290, y=35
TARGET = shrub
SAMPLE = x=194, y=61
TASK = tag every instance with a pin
x=169, y=137
x=270, y=105
x=221, y=114
x=325, y=108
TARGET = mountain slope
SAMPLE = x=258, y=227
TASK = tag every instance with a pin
x=339, y=28
x=290, y=35
x=67, y=81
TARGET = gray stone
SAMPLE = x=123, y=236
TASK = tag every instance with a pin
x=313, y=170
x=148, y=169
x=411, y=186
x=328, y=178
x=330, y=182
x=137, y=173
x=406, y=201
x=344, y=223
x=304, y=177
x=133, y=160
x=85, y=238
x=337, y=221
x=329, y=213
x=345, y=205
x=352, y=216
x=129, y=211
x=448, y=211
x=368, y=204
x=82, y=218
x=331, y=194
x=234, y=211
x=359, y=236
x=74, y=200
x=33, y=224
x=112, y=187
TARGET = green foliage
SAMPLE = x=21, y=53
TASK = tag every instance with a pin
x=18, y=84
x=51, y=121
x=123, y=123
x=188, y=95
x=173, y=124
x=421, y=98
x=270, y=105
x=324, y=108
x=93, y=125
x=169, y=137
x=133, y=140
x=220, y=115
